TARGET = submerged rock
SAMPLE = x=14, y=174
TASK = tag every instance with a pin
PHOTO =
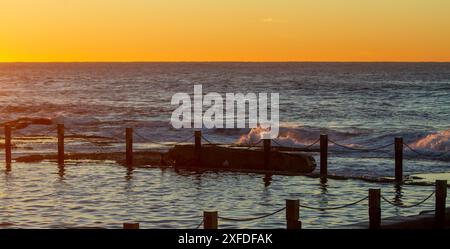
x=235, y=158
x=30, y=159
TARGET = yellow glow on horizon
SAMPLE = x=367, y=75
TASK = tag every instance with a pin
x=224, y=30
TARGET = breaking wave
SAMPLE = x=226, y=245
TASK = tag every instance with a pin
x=439, y=141
x=299, y=136
x=354, y=138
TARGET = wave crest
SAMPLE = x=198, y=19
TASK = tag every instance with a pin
x=435, y=141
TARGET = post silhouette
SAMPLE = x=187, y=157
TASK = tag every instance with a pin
x=267, y=149
x=374, y=208
x=60, y=144
x=323, y=156
x=210, y=220
x=293, y=214
x=129, y=146
x=398, y=159
x=198, y=148
x=441, y=196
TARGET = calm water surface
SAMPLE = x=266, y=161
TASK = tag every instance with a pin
x=106, y=195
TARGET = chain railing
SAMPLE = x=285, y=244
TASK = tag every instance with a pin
x=407, y=206
x=440, y=155
x=253, y=218
x=199, y=225
x=147, y=139
x=102, y=144
x=210, y=219
x=292, y=208
x=335, y=207
x=305, y=147
x=360, y=149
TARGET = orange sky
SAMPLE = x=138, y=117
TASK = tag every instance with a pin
x=224, y=30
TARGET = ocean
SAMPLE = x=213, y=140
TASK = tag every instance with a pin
x=359, y=105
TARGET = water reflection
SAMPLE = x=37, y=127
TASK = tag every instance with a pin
x=323, y=187
x=129, y=173
x=267, y=180
x=61, y=172
x=398, y=194
x=198, y=181
x=8, y=168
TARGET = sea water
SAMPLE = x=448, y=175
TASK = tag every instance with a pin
x=359, y=105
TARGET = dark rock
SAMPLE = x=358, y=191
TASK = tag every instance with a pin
x=237, y=158
x=30, y=159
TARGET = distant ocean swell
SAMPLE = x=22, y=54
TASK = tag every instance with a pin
x=434, y=144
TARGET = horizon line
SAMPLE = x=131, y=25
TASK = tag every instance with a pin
x=227, y=61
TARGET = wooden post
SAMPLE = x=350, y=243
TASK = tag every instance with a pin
x=399, y=159
x=441, y=195
x=129, y=146
x=130, y=225
x=8, y=145
x=293, y=214
x=323, y=156
x=267, y=149
x=60, y=144
x=210, y=220
x=198, y=148
x=374, y=208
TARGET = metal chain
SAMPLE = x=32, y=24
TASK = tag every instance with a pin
x=163, y=144
x=407, y=206
x=199, y=225
x=253, y=145
x=96, y=143
x=304, y=147
x=360, y=149
x=337, y=207
x=208, y=141
x=423, y=154
x=252, y=218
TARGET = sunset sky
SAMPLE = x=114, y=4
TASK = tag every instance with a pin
x=224, y=30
